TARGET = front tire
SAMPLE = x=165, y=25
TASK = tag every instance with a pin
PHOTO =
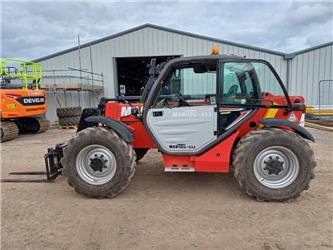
x=273, y=164
x=98, y=163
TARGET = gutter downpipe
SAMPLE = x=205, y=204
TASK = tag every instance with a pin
x=288, y=58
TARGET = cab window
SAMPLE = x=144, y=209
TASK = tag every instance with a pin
x=189, y=86
x=250, y=83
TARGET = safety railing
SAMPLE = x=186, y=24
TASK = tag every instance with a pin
x=83, y=79
x=20, y=69
x=71, y=79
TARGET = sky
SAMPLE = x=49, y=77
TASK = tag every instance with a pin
x=30, y=30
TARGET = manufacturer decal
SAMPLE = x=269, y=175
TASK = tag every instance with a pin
x=11, y=106
x=182, y=146
x=35, y=93
x=191, y=114
x=126, y=111
x=29, y=101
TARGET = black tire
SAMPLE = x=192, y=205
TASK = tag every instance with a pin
x=255, y=142
x=9, y=131
x=122, y=151
x=68, y=112
x=140, y=153
x=69, y=121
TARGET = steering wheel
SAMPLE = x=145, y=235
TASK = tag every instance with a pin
x=182, y=101
x=232, y=90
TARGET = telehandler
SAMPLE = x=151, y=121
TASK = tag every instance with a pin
x=213, y=113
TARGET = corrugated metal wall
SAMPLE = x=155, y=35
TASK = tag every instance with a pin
x=144, y=42
x=307, y=69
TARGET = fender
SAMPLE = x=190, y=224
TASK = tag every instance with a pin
x=87, y=112
x=283, y=123
x=120, y=128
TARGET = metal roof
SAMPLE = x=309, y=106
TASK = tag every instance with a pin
x=148, y=25
x=313, y=48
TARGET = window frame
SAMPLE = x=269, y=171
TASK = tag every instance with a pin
x=189, y=65
x=220, y=84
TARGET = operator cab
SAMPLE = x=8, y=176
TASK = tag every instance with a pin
x=196, y=100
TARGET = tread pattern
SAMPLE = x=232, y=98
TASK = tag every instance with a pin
x=44, y=124
x=126, y=151
x=9, y=131
x=247, y=142
x=68, y=112
x=69, y=121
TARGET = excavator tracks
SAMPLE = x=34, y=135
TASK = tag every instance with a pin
x=32, y=125
x=9, y=131
x=44, y=124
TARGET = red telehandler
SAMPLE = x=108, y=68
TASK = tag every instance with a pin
x=211, y=113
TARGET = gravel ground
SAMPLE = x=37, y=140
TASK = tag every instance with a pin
x=159, y=210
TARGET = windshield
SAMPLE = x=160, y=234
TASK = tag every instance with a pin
x=251, y=83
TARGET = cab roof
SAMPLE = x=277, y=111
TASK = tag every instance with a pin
x=205, y=58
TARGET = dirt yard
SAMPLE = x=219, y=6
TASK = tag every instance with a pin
x=159, y=210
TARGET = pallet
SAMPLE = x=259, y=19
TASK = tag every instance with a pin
x=319, y=112
x=317, y=126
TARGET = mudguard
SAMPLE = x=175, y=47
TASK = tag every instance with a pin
x=120, y=128
x=87, y=112
x=276, y=123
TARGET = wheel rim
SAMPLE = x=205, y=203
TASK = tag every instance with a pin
x=96, y=164
x=276, y=167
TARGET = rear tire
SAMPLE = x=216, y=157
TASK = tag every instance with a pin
x=273, y=164
x=84, y=167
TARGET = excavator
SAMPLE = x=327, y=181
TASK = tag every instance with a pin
x=23, y=103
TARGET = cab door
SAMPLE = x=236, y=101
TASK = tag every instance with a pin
x=184, y=116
